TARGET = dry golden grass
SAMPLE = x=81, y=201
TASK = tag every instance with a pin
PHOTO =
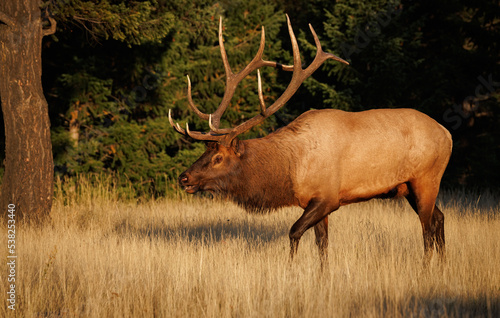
x=99, y=257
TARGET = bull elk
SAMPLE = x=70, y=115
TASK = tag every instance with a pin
x=322, y=160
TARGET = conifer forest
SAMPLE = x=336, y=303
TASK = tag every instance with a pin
x=112, y=70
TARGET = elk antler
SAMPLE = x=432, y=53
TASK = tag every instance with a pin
x=226, y=135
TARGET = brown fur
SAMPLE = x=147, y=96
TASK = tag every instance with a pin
x=265, y=182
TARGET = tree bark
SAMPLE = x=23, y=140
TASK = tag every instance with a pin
x=29, y=168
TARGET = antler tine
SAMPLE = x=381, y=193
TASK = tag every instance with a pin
x=227, y=67
x=261, y=96
x=214, y=135
x=211, y=136
x=217, y=130
x=176, y=126
x=316, y=40
x=321, y=56
x=257, y=61
x=192, y=105
x=297, y=65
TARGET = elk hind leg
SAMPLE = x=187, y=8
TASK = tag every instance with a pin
x=438, y=220
x=422, y=197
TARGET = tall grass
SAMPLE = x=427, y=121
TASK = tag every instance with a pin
x=99, y=256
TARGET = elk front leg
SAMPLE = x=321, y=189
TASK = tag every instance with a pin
x=316, y=211
x=321, y=232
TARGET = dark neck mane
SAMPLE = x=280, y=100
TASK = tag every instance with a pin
x=264, y=180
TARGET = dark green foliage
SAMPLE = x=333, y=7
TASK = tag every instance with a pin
x=132, y=22
x=114, y=69
x=440, y=57
x=110, y=96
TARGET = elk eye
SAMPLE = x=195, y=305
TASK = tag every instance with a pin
x=217, y=159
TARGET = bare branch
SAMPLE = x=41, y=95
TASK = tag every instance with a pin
x=52, y=28
x=83, y=19
x=6, y=19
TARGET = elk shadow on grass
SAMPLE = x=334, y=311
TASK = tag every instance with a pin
x=478, y=306
x=215, y=231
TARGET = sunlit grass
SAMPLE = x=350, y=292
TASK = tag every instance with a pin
x=192, y=257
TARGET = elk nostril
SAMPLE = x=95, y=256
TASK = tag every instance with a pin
x=183, y=179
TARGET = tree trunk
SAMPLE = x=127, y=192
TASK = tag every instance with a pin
x=29, y=167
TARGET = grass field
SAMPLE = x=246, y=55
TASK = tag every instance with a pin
x=192, y=257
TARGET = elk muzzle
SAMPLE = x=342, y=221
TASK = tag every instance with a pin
x=185, y=181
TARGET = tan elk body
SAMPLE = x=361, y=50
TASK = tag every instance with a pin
x=324, y=159
x=358, y=156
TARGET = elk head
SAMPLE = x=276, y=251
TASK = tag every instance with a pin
x=210, y=172
x=224, y=149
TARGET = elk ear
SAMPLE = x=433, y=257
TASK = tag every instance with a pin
x=211, y=145
x=238, y=147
